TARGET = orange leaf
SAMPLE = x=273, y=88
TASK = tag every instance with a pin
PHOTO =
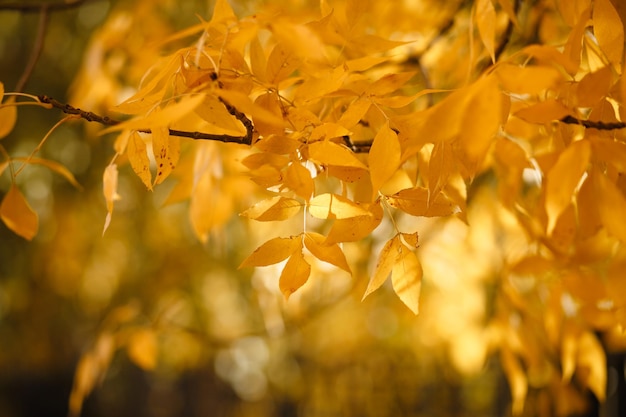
x=563, y=179
x=609, y=31
x=299, y=180
x=166, y=151
x=406, y=277
x=389, y=255
x=332, y=254
x=143, y=349
x=333, y=206
x=109, y=188
x=294, y=275
x=486, y=22
x=384, y=157
x=330, y=153
x=273, y=251
x=8, y=114
x=138, y=157
x=273, y=209
x=418, y=202
x=527, y=80
x=611, y=206
x=543, y=112
x=356, y=228
x=18, y=215
x=591, y=360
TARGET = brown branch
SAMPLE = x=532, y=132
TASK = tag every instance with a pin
x=29, y=7
x=593, y=125
x=107, y=121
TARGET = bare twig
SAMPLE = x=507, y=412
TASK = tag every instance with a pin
x=42, y=27
x=592, y=124
x=107, y=121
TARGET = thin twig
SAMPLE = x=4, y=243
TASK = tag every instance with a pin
x=592, y=124
x=42, y=27
x=107, y=121
x=29, y=7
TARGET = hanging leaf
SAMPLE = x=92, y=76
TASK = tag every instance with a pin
x=518, y=382
x=406, y=278
x=295, y=274
x=609, y=31
x=333, y=206
x=329, y=153
x=356, y=228
x=142, y=348
x=563, y=179
x=485, y=15
x=299, y=180
x=51, y=165
x=611, y=206
x=418, y=202
x=332, y=253
x=388, y=256
x=273, y=251
x=109, y=187
x=273, y=209
x=8, y=114
x=527, y=80
x=384, y=157
x=18, y=215
x=137, y=153
x=591, y=363
x=166, y=151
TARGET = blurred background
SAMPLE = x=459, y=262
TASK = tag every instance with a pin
x=161, y=324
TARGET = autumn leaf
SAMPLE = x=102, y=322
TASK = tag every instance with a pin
x=563, y=179
x=137, y=153
x=333, y=206
x=527, y=80
x=329, y=153
x=384, y=156
x=109, y=187
x=166, y=149
x=418, y=202
x=273, y=209
x=406, y=278
x=518, y=382
x=388, y=256
x=611, y=206
x=273, y=251
x=53, y=166
x=608, y=29
x=330, y=253
x=485, y=15
x=591, y=362
x=8, y=113
x=18, y=215
x=142, y=348
x=356, y=228
x=295, y=274
x=299, y=180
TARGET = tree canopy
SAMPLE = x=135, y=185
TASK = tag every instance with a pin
x=468, y=157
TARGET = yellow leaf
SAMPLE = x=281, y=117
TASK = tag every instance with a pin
x=276, y=144
x=593, y=87
x=138, y=157
x=222, y=12
x=411, y=239
x=143, y=349
x=281, y=63
x=332, y=253
x=299, y=180
x=418, y=202
x=543, y=112
x=356, y=228
x=294, y=275
x=406, y=278
x=389, y=255
x=273, y=209
x=563, y=179
x=243, y=103
x=8, y=114
x=51, y=165
x=486, y=22
x=328, y=131
x=518, y=383
x=273, y=251
x=18, y=215
x=109, y=188
x=591, y=362
x=384, y=157
x=548, y=54
x=440, y=167
x=166, y=151
x=258, y=60
x=160, y=117
x=527, y=80
x=389, y=83
x=481, y=119
x=354, y=113
x=609, y=31
x=611, y=206
x=333, y=206
x=329, y=153
x=213, y=111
